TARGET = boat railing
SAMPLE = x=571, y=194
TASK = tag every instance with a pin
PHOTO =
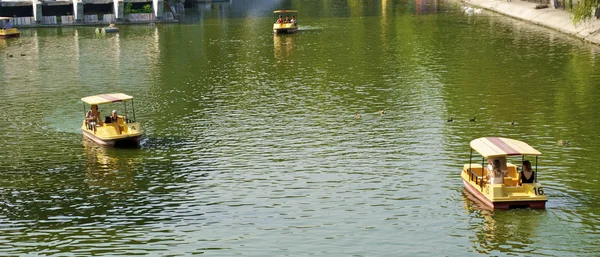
x=474, y=177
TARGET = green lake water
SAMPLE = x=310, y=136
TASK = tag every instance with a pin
x=251, y=144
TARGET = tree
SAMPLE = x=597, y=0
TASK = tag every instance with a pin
x=584, y=10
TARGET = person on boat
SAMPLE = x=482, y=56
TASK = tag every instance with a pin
x=93, y=117
x=8, y=25
x=293, y=20
x=280, y=20
x=502, y=165
x=114, y=117
x=496, y=174
x=527, y=175
x=287, y=19
x=89, y=120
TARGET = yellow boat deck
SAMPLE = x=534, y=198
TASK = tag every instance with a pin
x=114, y=130
x=12, y=32
x=508, y=191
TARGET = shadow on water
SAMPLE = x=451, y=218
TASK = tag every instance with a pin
x=308, y=28
x=508, y=231
x=165, y=142
x=127, y=145
x=112, y=168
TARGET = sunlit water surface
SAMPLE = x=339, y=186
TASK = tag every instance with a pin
x=252, y=146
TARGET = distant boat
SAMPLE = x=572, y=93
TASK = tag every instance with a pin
x=6, y=29
x=110, y=29
x=287, y=24
x=113, y=129
x=508, y=190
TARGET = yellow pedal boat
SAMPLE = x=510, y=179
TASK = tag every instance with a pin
x=287, y=24
x=6, y=29
x=510, y=190
x=114, y=129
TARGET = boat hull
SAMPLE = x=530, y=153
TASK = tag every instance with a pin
x=285, y=28
x=10, y=33
x=115, y=133
x=132, y=140
x=533, y=204
x=285, y=31
x=107, y=30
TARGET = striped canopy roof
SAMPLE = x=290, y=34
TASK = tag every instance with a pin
x=284, y=11
x=499, y=146
x=106, y=98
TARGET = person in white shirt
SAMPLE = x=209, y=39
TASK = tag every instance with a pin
x=495, y=173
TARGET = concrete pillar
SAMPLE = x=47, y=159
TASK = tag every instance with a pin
x=119, y=9
x=78, y=10
x=157, y=6
x=37, y=11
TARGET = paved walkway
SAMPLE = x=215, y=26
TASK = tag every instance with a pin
x=558, y=19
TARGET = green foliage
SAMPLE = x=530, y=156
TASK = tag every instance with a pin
x=129, y=9
x=147, y=8
x=58, y=19
x=584, y=10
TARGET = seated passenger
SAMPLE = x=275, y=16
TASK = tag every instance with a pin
x=8, y=25
x=114, y=117
x=92, y=118
x=495, y=174
x=527, y=175
x=293, y=20
x=287, y=19
x=502, y=164
x=280, y=20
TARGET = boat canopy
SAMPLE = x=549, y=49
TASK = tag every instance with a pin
x=284, y=11
x=499, y=146
x=106, y=98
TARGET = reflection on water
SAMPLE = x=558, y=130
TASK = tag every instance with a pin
x=283, y=45
x=501, y=231
x=240, y=160
x=111, y=168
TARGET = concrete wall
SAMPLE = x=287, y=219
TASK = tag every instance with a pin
x=140, y=17
x=109, y=18
x=92, y=18
x=557, y=19
x=67, y=19
x=78, y=16
x=49, y=20
x=23, y=21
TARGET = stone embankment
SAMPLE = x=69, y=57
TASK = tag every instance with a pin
x=33, y=13
x=550, y=17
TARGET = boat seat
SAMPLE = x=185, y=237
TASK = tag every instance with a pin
x=476, y=168
x=513, y=175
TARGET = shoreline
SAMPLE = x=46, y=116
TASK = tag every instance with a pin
x=556, y=19
x=99, y=24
